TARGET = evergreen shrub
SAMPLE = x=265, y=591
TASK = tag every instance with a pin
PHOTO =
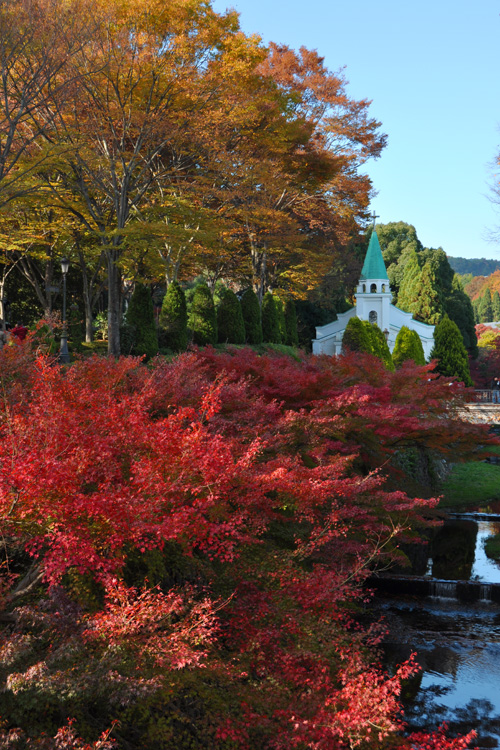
x=140, y=316
x=252, y=319
x=379, y=345
x=202, y=320
x=173, y=319
x=270, y=321
x=230, y=325
x=357, y=337
x=408, y=346
x=291, y=333
x=450, y=352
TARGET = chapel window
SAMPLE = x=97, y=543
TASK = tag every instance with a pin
x=373, y=289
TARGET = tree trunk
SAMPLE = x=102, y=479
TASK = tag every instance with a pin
x=114, y=302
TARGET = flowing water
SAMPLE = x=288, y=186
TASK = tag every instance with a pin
x=457, y=643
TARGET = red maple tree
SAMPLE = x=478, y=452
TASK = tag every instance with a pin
x=188, y=541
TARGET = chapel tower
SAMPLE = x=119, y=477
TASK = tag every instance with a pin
x=373, y=293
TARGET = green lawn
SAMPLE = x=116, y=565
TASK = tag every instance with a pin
x=471, y=485
x=492, y=547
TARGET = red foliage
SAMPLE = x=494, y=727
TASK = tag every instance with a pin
x=266, y=469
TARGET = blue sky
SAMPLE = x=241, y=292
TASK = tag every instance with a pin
x=432, y=71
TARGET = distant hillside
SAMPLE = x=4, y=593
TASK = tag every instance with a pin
x=475, y=266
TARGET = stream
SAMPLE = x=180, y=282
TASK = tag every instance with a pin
x=448, y=612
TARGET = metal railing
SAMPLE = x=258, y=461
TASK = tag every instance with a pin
x=486, y=396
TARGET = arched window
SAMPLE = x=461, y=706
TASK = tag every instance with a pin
x=383, y=288
x=364, y=287
x=372, y=317
x=373, y=289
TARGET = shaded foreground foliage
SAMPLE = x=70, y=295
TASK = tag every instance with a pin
x=184, y=547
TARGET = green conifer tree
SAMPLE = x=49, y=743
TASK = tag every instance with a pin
x=357, y=337
x=75, y=326
x=459, y=308
x=408, y=289
x=270, y=323
x=485, y=308
x=450, y=352
x=280, y=312
x=379, y=344
x=140, y=317
x=173, y=319
x=230, y=325
x=495, y=303
x=426, y=305
x=252, y=317
x=202, y=319
x=291, y=332
x=408, y=346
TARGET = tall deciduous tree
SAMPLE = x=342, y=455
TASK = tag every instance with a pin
x=136, y=116
x=38, y=42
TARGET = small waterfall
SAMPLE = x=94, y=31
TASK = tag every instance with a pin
x=485, y=592
x=443, y=589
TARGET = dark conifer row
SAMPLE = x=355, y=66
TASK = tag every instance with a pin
x=206, y=319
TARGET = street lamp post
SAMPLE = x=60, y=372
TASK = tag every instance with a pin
x=64, y=353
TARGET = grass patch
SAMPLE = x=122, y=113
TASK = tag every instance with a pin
x=470, y=485
x=492, y=547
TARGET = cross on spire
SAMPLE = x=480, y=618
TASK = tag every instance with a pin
x=374, y=216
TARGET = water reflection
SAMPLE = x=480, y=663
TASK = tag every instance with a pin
x=457, y=645
x=457, y=551
x=459, y=650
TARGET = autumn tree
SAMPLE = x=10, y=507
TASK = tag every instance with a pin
x=214, y=519
x=39, y=40
x=132, y=122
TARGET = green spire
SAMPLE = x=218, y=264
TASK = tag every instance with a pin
x=374, y=266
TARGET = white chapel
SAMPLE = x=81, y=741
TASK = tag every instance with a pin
x=373, y=303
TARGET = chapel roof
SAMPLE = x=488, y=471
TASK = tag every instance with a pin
x=374, y=266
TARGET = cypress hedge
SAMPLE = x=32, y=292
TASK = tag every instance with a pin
x=230, y=325
x=173, y=319
x=450, y=352
x=270, y=321
x=202, y=321
x=291, y=332
x=408, y=346
x=252, y=318
x=141, y=320
x=356, y=336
